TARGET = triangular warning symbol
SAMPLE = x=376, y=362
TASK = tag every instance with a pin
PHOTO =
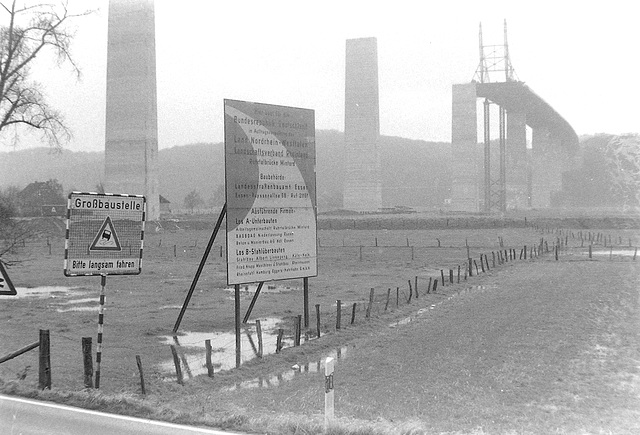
x=106, y=239
x=6, y=286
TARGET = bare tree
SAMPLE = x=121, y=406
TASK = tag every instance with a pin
x=26, y=32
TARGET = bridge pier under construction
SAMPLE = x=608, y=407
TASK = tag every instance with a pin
x=502, y=170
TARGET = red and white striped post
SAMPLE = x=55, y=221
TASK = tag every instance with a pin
x=103, y=283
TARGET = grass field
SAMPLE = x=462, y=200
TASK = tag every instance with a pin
x=541, y=346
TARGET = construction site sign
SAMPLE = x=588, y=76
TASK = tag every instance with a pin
x=105, y=234
x=6, y=286
x=270, y=167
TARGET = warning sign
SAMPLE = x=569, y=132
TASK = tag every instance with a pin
x=105, y=234
x=6, y=286
x=106, y=239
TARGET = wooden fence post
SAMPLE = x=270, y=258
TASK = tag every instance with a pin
x=388, y=296
x=370, y=305
x=176, y=363
x=318, y=319
x=259, y=334
x=353, y=313
x=442, y=276
x=208, y=362
x=435, y=285
x=87, y=359
x=410, y=293
x=416, y=286
x=44, y=372
x=298, y=329
x=139, y=364
x=279, y=340
x=338, y=313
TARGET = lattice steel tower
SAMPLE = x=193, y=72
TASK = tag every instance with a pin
x=495, y=66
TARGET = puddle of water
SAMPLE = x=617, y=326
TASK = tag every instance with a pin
x=40, y=292
x=81, y=301
x=617, y=252
x=421, y=311
x=404, y=321
x=192, y=353
x=93, y=301
x=170, y=307
x=267, y=288
x=296, y=370
x=65, y=310
x=410, y=319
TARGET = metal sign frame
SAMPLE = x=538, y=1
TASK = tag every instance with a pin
x=105, y=234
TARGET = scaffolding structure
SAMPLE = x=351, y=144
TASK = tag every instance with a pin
x=494, y=62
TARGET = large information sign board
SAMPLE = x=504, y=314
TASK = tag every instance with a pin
x=105, y=234
x=270, y=163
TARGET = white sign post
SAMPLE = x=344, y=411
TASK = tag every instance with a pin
x=270, y=166
x=328, y=391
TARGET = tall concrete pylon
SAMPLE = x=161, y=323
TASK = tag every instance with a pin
x=517, y=162
x=464, y=148
x=131, y=133
x=362, y=181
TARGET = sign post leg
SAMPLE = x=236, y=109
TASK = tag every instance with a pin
x=238, y=337
x=103, y=283
x=253, y=302
x=200, y=267
x=305, y=282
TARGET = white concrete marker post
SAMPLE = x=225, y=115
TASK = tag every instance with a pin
x=328, y=391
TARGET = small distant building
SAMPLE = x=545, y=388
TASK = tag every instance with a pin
x=33, y=199
x=54, y=210
x=165, y=205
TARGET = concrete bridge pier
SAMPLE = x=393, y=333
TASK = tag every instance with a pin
x=547, y=165
x=516, y=161
x=464, y=149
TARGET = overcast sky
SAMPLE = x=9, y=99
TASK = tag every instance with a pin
x=581, y=57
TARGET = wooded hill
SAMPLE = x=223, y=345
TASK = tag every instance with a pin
x=414, y=173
